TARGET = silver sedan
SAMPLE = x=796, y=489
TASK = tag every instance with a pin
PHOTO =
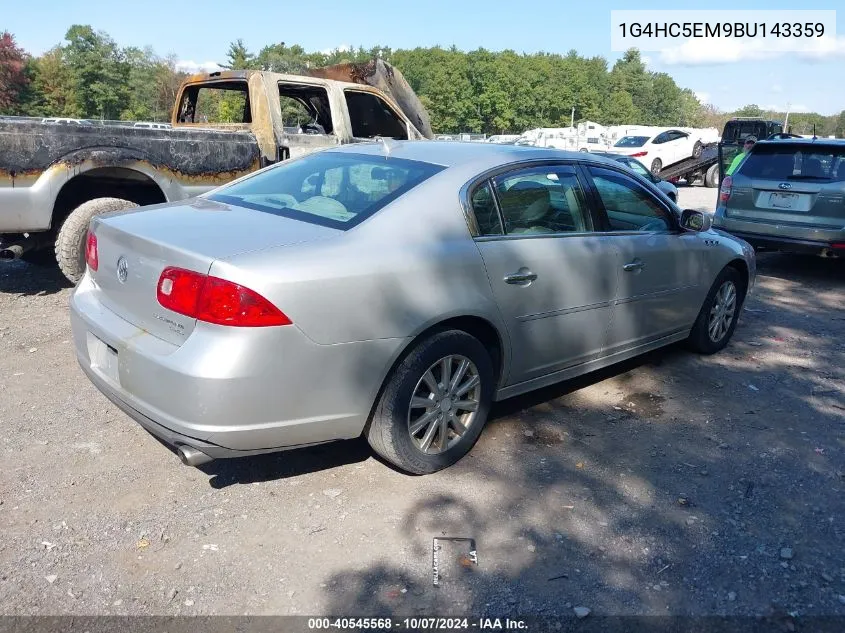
x=393, y=290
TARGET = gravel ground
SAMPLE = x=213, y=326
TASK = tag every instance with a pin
x=673, y=484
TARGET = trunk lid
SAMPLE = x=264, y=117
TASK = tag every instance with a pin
x=135, y=247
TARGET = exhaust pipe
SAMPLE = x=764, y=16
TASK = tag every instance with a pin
x=192, y=457
x=12, y=251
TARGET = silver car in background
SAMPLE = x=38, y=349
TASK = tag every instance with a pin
x=393, y=290
x=788, y=195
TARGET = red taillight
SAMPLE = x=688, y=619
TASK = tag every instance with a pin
x=638, y=154
x=725, y=191
x=838, y=245
x=91, y=252
x=215, y=300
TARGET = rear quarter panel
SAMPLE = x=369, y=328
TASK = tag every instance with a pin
x=37, y=159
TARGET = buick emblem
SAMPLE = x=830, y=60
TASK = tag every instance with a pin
x=785, y=185
x=122, y=269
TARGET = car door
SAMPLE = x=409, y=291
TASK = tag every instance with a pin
x=681, y=145
x=659, y=150
x=553, y=276
x=661, y=267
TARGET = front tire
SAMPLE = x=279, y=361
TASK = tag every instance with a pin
x=434, y=404
x=70, y=243
x=717, y=319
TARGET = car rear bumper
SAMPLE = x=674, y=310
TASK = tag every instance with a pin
x=790, y=245
x=229, y=391
x=782, y=237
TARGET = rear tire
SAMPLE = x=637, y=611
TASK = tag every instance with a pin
x=696, y=150
x=711, y=178
x=656, y=166
x=717, y=319
x=70, y=243
x=390, y=429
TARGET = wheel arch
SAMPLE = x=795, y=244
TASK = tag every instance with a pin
x=107, y=172
x=741, y=267
x=480, y=327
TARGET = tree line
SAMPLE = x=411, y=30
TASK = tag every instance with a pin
x=480, y=91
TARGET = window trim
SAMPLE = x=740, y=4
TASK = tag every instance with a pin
x=469, y=188
x=602, y=211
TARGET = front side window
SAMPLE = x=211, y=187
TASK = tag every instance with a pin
x=371, y=116
x=629, y=206
x=333, y=189
x=539, y=200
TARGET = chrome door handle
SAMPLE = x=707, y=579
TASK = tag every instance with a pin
x=634, y=265
x=524, y=276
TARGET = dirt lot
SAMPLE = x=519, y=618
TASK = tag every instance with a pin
x=675, y=484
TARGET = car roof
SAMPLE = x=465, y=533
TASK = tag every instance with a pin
x=452, y=153
x=834, y=142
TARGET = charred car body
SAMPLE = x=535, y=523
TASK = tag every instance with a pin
x=54, y=178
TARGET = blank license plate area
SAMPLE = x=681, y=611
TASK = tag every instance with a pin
x=784, y=200
x=103, y=358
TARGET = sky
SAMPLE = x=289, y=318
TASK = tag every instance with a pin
x=199, y=33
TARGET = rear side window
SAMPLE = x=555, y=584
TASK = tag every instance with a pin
x=631, y=141
x=305, y=109
x=540, y=200
x=218, y=103
x=371, y=116
x=332, y=189
x=795, y=163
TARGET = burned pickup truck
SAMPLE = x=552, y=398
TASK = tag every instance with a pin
x=55, y=176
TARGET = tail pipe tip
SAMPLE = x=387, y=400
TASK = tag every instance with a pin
x=13, y=251
x=192, y=457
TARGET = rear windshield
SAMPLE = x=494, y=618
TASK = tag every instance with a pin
x=631, y=141
x=738, y=131
x=332, y=189
x=795, y=163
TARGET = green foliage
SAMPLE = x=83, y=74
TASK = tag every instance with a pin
x=749, y=110
x=14, y=75
x=239, y=57
x=99, y=70
x=480, y=91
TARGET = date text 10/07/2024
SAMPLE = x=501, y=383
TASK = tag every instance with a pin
x=418, y=624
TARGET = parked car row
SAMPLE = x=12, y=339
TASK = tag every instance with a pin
x=391, y=290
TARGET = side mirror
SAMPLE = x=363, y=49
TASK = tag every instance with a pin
x=697, y=221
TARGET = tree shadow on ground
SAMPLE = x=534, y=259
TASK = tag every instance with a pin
x=25, y=279
x=671, y=484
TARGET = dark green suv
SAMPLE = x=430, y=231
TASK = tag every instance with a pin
x=788, y=195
